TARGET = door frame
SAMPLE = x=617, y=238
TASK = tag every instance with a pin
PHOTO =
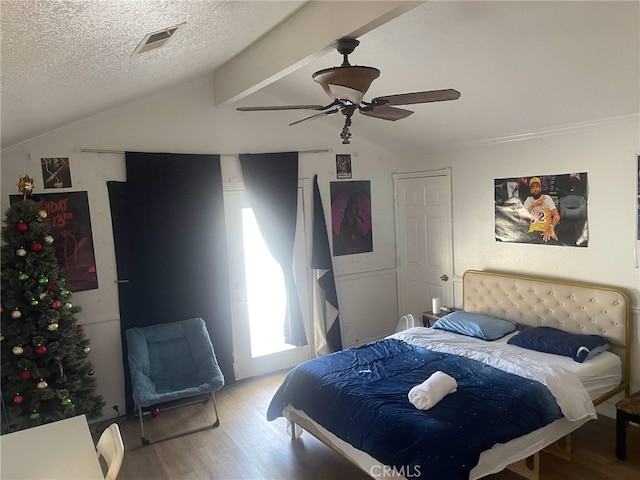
x=304, y=185
x=444, y=172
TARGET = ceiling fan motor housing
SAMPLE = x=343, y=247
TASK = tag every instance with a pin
x=353, y=77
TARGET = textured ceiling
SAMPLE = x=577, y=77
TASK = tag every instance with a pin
x=63, y=61
x=521, y=66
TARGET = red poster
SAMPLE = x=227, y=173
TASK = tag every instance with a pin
x=68, y=213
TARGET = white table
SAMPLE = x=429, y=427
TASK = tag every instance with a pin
x=60, y=450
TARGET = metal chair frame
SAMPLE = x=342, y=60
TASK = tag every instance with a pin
x=169, y=406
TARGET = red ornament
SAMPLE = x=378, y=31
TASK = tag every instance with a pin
x=51, y=286
x=36, y=247
x=18, y=399
x=156, y=412
x=80, y=327
x=55, y=304
x=41, y=349
x=21, y=227
x=25, y=374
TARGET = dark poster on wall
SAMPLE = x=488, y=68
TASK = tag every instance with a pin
x=68, y=214
x=542, y=209
x=351, y=217
x=56, y=172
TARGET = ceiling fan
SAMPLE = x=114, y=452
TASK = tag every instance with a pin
x=347, y=84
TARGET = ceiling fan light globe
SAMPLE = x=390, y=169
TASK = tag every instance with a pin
x=353, y=77
x=345, y=94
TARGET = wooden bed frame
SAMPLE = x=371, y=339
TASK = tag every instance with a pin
x=534, y=301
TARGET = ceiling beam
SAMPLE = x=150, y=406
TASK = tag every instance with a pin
x=307, y=34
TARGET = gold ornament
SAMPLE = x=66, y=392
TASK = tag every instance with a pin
x=16, y=314
x=48, y=239
x=21, y=252
x=87, y=349
x=52, y=327
x=42, y=385
x=17, y=350
x=42, y=214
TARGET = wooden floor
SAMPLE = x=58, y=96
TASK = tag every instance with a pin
x=247, y=446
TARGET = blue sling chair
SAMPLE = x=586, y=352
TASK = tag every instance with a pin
x=172, y=364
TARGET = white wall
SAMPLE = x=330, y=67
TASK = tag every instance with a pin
x=184, y=120
x=607, y=150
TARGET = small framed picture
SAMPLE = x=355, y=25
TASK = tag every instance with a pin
x=343, y=166
x=56, y=172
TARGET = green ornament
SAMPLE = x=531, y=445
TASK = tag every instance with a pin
x=34, y=302
x=91, y=372
x=1, y=338
x=34, y=416
x=65, y=293
x=22, y=276
x=43, y=280
x=66, y=401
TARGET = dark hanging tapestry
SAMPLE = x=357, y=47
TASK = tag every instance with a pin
x=327, y=313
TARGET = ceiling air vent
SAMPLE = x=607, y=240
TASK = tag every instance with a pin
x=156, y=39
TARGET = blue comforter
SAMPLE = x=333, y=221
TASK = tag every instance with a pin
x=360, y=395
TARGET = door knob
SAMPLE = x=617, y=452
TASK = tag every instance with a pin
x=444, y=278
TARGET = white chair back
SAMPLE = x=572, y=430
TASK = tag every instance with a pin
x=405, y=322
x=111, y=448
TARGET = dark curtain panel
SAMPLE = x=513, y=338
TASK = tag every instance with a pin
x=321, y=260
x=171, y=227
x=271, y=180
x=118, y=202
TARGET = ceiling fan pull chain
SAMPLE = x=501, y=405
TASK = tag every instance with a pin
x=346, y=134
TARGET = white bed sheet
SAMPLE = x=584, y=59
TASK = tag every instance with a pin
x=599, y=375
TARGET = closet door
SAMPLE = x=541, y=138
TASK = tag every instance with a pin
x=424, y=240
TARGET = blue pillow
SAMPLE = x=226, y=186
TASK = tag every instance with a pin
x=475, y=325
x=552, y=340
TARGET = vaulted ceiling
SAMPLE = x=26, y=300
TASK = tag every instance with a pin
x=521, y=66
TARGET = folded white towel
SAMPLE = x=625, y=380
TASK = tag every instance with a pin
x=432, y=390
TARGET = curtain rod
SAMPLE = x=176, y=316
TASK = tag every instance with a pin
x=122, y=152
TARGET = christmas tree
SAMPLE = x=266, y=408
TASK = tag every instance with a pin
x=46, y=374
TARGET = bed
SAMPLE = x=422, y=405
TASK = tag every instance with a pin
x=342, y=398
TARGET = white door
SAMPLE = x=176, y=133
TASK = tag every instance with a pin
x=423, y=240
x=257, y=289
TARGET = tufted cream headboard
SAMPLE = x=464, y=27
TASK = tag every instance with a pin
x=570, y=306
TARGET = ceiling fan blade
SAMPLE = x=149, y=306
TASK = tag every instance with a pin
x=283, y=107
x=317, y=115
x=418, y=97
x=385, y=112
